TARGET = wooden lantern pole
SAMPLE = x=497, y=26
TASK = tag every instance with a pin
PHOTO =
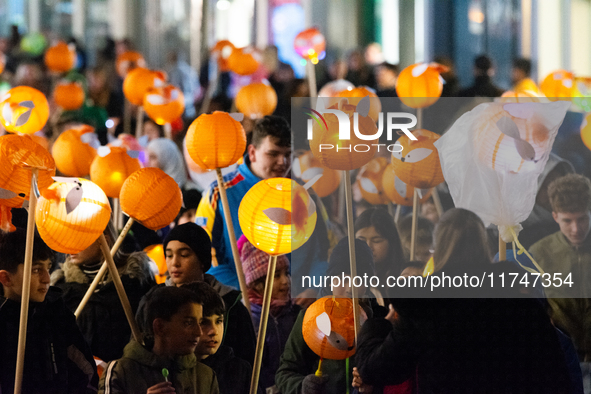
x=210, y=91
x=26, y=290
x=126, y=116
x=437, y=201
x=397, y=213
x=104, y=267
x=352, y=256
x=258, y=358
x=415, y=199
x=139, y=125
x=232, y=235
x=502, y=249
x=311, y=78
x=168, y=130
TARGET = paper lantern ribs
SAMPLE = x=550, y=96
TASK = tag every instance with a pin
x=256, y=100
x=24, y=110
x=111, y=167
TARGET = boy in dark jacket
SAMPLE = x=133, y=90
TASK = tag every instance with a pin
x=232, y=372
x=57, y=359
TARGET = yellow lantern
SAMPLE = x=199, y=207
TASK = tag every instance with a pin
x=586, y=131
x=112, y=169
x=256, y=100
x=24, y=110
x=421, y=84
x=71, y=214
x=558, y=84
x=156, y=254
x=277, y=215
x=369, y=180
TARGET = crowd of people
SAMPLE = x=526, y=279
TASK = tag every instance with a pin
x=199, y=337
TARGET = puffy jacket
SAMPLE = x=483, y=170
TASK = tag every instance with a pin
x=232, y=372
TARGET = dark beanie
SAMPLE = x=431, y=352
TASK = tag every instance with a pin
x=196, y=238
x=338, y=263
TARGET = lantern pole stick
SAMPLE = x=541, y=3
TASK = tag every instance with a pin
x=120, y=289
x=413, y=233
x=168, y=130
x=139, y=125
x=258, y=358
x=352, y=256
x=127, y=117
x=26, y=289
x=311, y=78
x=232, y=235
x=502, y=249
x=397, y=213
x=99, y=276
x=117, y=214
x=437, y=201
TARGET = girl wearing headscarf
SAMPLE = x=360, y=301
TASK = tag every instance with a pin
x=164, y=154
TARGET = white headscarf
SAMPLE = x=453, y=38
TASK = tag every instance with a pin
x=170, y=159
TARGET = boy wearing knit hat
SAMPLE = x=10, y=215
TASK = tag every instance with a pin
x=188, y=257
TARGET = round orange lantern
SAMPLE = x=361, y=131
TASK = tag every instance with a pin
x=111, y=170
x=523, y=96
x=277, y=215
x=216, y=140
x=329, y=329
x=72, y=214
x=256, y=100
x=420, y=85
x=69, y=95
x=417, y=163
x=244, y=61
x=72, y=155
x=138, y=81
x=332, y=89
x=338, y=154
x=41, y=140
x=151, y=197
x=558, y=84
x=399, y=192
x=586, y=131
x=164, y=105
x=194, y=167
x=310, y=44
x=369, y=180
x=307, y=167
x=127, y=61
x=356, y=94
x=24, y=110
x=223, y=49
x=61, y=57
x=156, y=254
x=2, y=62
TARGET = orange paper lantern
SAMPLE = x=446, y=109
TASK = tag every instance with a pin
x=528, y=86
x=329, y=329
x=344, y=154
x=24, y=110
x=111, y=170
x=558, y=84
x=164, y=105
x=127, y=61
x=41, y=140
x=2, y=62
x=73, y=157
x=223, y=49
x=151, y=197
x=417, y=164
x=307, y=167
x=355, y=95
x=277, y=215
x=369, y=180
x=399, y=192
x=138, y=81
x=244, y=61
x=61, y=57
x=72, y=214
x=420, y=85
x=524, y=96
x=333, y=88
x=256, y=100
x=69, y=95
x=216, y=140
x=310, y=44
x=156, y=254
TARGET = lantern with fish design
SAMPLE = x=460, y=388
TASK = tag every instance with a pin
x=138, y=81
x=355, y=95
x=369, y=180
x=399, y=192
x=127, y=61
x=164, y=104
x=74, y=150
x=306, y=167
x=24, y=110
x=111, y=167
x=420, y=85
x=277, y=215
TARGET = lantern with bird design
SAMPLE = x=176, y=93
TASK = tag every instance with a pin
x=24, y=110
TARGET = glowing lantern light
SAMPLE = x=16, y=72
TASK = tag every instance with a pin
x=310, y=44
x=71, y=214
x=156, y=254
x=127, y=61
x=69, y=95
x=24, y=110
x=529, y=86
x=244, y=61
x=277, y=215
x=586, y=131
x=216, y=140
x=111, y=167
x=164, y=105
x=399, y=192
x=420, y=85
x=417, y=164
x=306, y=167
x=256, y=100
x=355, y=95
x=74, y=150
x=151, y=197
x=328, y=328
x=61, y=57
x=138, y=81
x=558, y=84
x=369, y=180
x=223, y=49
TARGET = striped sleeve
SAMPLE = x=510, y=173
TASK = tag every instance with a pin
x=109, y=383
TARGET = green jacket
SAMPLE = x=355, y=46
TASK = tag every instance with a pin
x=140, y=369
x=571, y=305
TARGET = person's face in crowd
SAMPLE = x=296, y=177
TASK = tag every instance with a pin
x=90, y=255
x=153, y=159
x=182, y=263
x=269, y=160
x=574, y=225
x=429, y=211
x=379, y=245
x=151, y=130
x=281, y=285
x=339, y=69
x=517, y=75
x=13, y=282
x=211, y=339
x=188, y=216
x=345, y=290
x=97, y=81
x=385, y=78
x=181, y=334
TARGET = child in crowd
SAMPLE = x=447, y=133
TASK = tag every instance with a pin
x=57, y=359
x=169, y=319
x=283, y=313
x=232, y=372
x=423, y=241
